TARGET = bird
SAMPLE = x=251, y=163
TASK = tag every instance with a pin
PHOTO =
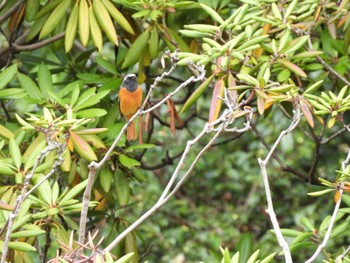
x=130, y=99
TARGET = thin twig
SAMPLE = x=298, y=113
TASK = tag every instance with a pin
x=270, y=210
x=93, y=167
x=329, y=230
x=284, y=167
x=168, y=193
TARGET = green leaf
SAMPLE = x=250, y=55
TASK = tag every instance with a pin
x=15, y=153
x=12, y=93
x=295, y=44
x=126, y=258
x=226, y=255
x=73, y=192
x=44, y=190
x=249, y=79
x=136, y=50
x=245, y=247
x=106, y=178
x=269, y=258
x=313, y=87
x=127, y=161
x=118, y=17
x=107, y=65
x=307, y=223
x=292, y=67
x=290, y=8
x=28, y=84
x=252, y=42
x=54, y=18
x=45, y=80
x=91, y=113
x=122, y=187
x=181, y=43
x=6, y=169
x=33, y=151
x=28, y=233
x=212, y=13
x=21, y=246
x=139, y=146
x=252, y=258
x=196, y=94
x=319, y=193
x=56, y=98
x=7, y=75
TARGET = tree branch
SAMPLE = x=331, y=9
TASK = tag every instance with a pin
x=270, y=210
x=226, y=118
x=93, y=167
x=16, y=47
x=329, y=230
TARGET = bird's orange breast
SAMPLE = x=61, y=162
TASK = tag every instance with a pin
x=129, y=101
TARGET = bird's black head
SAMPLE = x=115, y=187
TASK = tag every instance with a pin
x=130, y=82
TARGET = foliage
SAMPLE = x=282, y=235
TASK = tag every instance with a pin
x=62, y=63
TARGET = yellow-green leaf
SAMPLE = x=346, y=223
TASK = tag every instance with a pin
x=292, y=67
x=196, y=94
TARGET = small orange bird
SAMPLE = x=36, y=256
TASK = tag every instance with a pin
x=130, y=99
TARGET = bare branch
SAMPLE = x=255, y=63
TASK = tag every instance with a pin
x=93, y=167
x=270, y=210
x=329, y=230
x=225, y=119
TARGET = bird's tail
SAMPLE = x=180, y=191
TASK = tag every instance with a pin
x=131, y=132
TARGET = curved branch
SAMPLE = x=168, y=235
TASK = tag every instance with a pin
x=17, y=48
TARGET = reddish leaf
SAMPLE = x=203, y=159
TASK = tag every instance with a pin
x=140, y=129
x=261, y=105
x=172, y=116
x=292, y=67
x=232, y=83
x=82, y=147
x=332, y=30
x=307, y=112
x=16, y=18
x=215, y=104
x=147, y=121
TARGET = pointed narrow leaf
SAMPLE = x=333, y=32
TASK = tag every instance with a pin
x=54, y=18
x=216, y=102
x=15, y=153
x=29, y=85
x=307, y=113
x=212, y=13
x=5, y=133
x=118, y=17
x=7, y=75
x=292, y=67
x=82, y=147
x=196, y=94
x=122, y=187
x=136, y=50
x=74, y=191
x=45, y=80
